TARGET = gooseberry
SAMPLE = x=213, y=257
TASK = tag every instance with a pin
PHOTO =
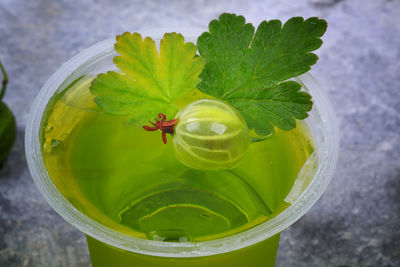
x=8, y=130
x=8, y=127
x=210, y=134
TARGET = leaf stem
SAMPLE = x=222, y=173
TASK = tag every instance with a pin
x=4, y=82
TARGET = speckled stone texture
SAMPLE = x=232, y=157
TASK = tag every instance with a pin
x=357, y=220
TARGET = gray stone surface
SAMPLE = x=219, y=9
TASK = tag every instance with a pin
x=357, y=220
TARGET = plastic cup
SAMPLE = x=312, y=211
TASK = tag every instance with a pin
x=254, y=247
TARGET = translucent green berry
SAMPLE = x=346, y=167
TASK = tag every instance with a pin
x=8, y=131
x=8, y=127
x=210, y=135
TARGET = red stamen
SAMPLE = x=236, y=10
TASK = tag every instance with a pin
x=164, y=137
x=163, y=125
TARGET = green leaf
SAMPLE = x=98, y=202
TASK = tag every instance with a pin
x=223, y=48
x=247, y=69
x=150, y=82
x=278, y=105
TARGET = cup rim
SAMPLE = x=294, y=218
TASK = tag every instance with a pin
x=251, y=236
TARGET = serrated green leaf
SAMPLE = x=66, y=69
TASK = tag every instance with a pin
x=150, y=82
x=248, y=69
x=278, y=53
x=223, y=48
x=275, y=106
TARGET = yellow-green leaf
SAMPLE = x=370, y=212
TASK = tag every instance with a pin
x=150, y=81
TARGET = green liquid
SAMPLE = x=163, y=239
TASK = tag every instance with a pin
x=262, y=254
x=127, y=179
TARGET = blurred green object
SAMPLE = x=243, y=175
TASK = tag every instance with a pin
x=8, y=127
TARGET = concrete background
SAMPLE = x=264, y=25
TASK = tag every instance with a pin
x=357, y=220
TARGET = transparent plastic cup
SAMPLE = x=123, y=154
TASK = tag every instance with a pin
x=253, y=247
